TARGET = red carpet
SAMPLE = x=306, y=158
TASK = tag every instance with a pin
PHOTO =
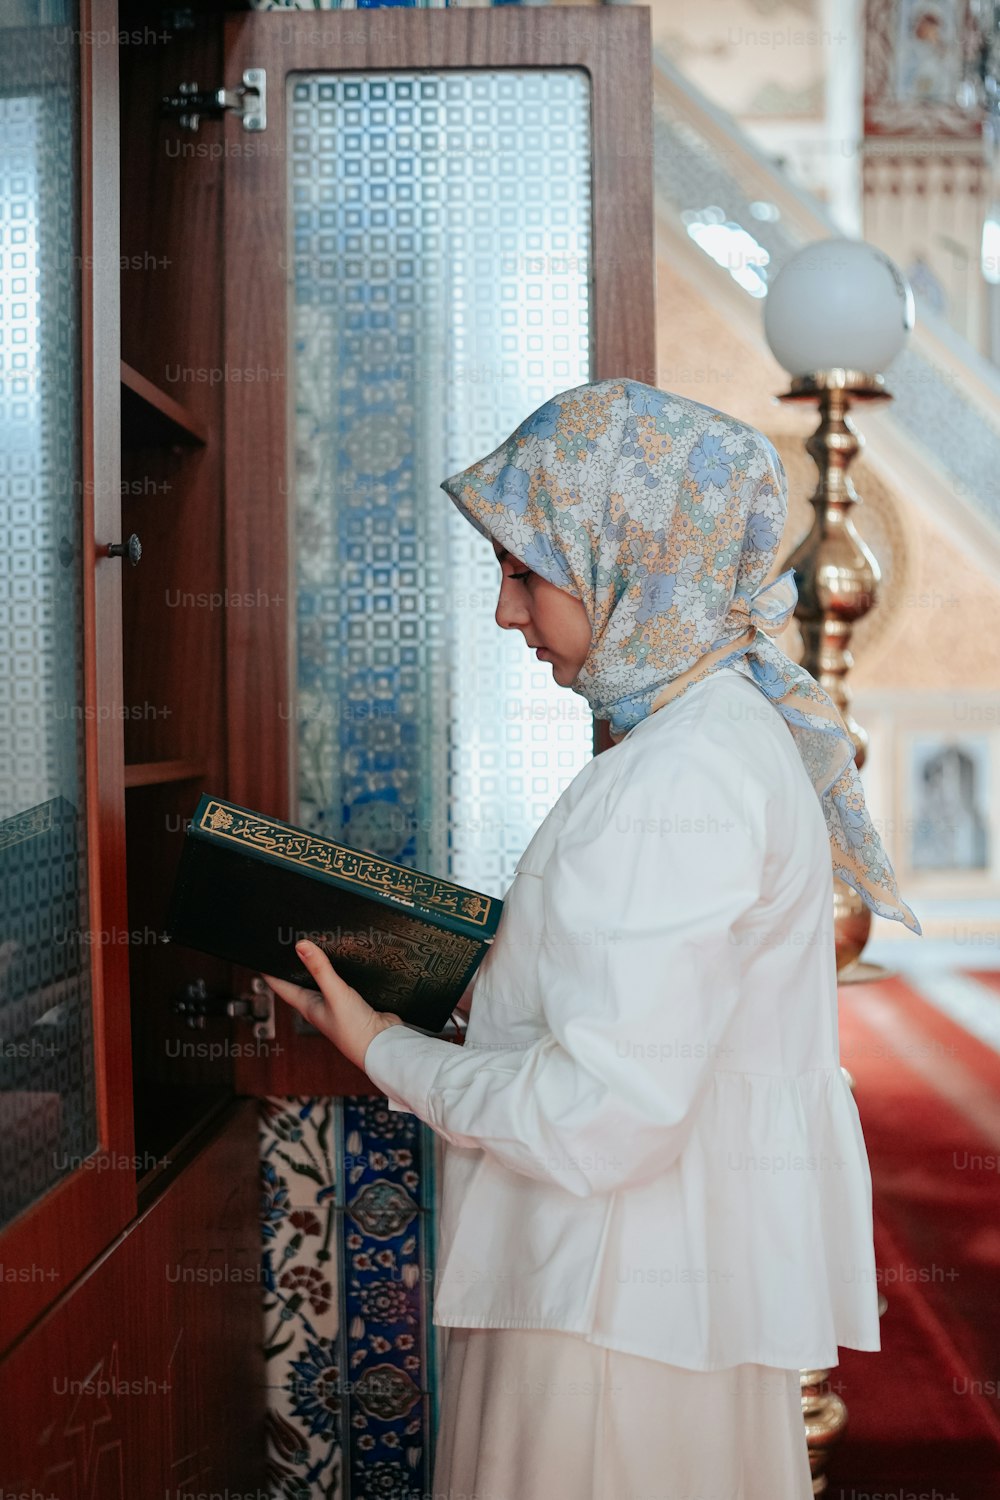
x=924, y=1412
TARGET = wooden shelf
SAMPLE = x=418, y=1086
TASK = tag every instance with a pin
x=159, y=772
x=152, y=419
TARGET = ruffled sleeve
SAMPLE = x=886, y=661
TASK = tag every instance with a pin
x=639, y=970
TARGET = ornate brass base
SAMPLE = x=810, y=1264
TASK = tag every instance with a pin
x=825, y=1416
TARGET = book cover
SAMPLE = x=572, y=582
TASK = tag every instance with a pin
x=249, y=887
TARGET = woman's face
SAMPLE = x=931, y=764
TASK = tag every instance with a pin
x=546, y=616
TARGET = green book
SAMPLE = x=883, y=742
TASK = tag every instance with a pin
x=249, y=887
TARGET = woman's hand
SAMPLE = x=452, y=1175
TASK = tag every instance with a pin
x=338, y=1011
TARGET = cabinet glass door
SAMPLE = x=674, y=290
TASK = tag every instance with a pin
x=48, y=1122
x=439, y=258
x=437, y=221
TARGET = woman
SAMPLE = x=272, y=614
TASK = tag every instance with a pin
x=656, y=1205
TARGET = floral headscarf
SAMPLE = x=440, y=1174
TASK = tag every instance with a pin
x=663, y=516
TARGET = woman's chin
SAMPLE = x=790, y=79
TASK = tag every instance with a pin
x=563, y=674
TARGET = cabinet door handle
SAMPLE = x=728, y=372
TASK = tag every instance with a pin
x=132, y=549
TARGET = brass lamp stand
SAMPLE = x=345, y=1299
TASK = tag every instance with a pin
x=837, y=578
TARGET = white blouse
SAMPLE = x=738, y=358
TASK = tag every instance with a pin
x=650, y=1140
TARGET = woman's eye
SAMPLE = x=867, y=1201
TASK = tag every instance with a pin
x=519, y=576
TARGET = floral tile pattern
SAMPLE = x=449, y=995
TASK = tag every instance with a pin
x=347, y=1227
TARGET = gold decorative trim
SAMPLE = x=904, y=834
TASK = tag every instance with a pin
x=384, y=876
x=26, y=825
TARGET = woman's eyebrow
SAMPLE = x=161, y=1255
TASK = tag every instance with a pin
x=502, y=554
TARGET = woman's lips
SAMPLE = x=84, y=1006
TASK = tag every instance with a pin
x=541, y=653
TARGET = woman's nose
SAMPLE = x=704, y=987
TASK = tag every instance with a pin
x=511, y=610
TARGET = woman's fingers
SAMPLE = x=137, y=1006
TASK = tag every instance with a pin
x=309, y=1003
x=329, y=1008
x=332, y=987
x=338, y=1011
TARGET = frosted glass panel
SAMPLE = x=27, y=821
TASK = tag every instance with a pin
x=47, y=1108
x=439, y=263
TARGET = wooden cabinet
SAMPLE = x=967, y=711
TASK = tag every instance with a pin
x=129, y=1237
x=66, y=1103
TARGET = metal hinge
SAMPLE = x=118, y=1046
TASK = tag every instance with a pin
x=197, y=1005
x=248, y=101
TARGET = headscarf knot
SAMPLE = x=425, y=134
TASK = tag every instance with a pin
x=770, y=606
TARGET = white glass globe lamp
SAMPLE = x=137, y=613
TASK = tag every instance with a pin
x=838, y=305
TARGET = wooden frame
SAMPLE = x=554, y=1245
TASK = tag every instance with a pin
x=54, y=1240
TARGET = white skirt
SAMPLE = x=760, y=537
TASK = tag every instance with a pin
x=529, y=1414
